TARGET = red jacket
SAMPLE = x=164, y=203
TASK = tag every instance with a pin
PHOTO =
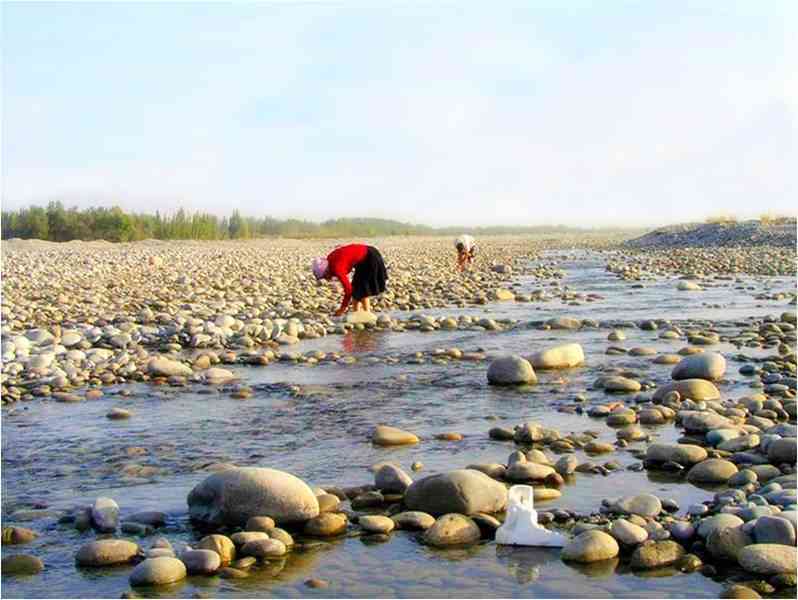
x=341, y=261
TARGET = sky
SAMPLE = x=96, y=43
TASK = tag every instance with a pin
x=475, y=113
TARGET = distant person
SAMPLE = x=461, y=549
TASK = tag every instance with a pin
x=466, y=251
x=369, y=279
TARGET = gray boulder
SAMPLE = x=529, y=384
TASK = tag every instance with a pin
x=684, y=454
x=717, y=522
x=232, y=496
x=782, y=451
x=105, y=515
x=706, y=365
x=768, y=559
x=774, y=530
x=725, y=543
x=511, y=370
x=201, y=562
x=392, y=479
x=462, y=491
x=644, y=505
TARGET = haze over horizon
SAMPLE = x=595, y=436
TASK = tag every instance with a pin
x=629, y=114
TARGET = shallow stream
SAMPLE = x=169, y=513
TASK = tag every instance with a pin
x=315, y=421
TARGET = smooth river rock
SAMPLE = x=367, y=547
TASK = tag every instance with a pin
x=385, y=435
x=232, y=496
x=565, y=356
x=100, y=553
x=590, y=546
x=511, y=370
x=768, y=559
x=713, y=470
x=694, y=389
x=158, y=571
x=221, y=544
x=653, y=555
x=707, y=365
x=684, y=454
x=105, y=515
x=201, y=562
x=463, y=491
x=452, y=530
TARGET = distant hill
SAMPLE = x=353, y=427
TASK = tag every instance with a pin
x=703, y=235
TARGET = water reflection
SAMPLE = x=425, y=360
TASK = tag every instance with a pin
x=598, y=570
x=360, y=341
x=524, y=563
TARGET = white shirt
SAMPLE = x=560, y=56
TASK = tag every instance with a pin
x=467, y=241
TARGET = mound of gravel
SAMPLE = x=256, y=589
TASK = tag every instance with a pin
x=703, y=235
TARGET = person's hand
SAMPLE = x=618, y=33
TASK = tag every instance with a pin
x=340, y=312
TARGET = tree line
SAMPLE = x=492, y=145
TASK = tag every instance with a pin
x=56, y=223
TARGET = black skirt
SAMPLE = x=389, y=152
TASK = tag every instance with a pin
x=370, y=275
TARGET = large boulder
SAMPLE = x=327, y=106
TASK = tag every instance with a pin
x=725, y=543
x=694, y=389
x=706, y=365
x=590, y=546
x=768, y=559
x=463, y=491
x=713, y=470
x=684, y=454
x=782, y=451
x=232, y=496
x=718, y=522
x=511, y=370
x=774, y=530
x=565, y=356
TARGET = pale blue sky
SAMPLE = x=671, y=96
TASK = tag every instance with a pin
x=579, y=112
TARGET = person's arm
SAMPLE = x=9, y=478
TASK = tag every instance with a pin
x=344, y=279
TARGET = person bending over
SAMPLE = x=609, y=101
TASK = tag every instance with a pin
x=466, y=251
x=369, y=278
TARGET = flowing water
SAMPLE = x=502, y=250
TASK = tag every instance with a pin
x=315, y=422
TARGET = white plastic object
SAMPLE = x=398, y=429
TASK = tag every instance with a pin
x=521, y=527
